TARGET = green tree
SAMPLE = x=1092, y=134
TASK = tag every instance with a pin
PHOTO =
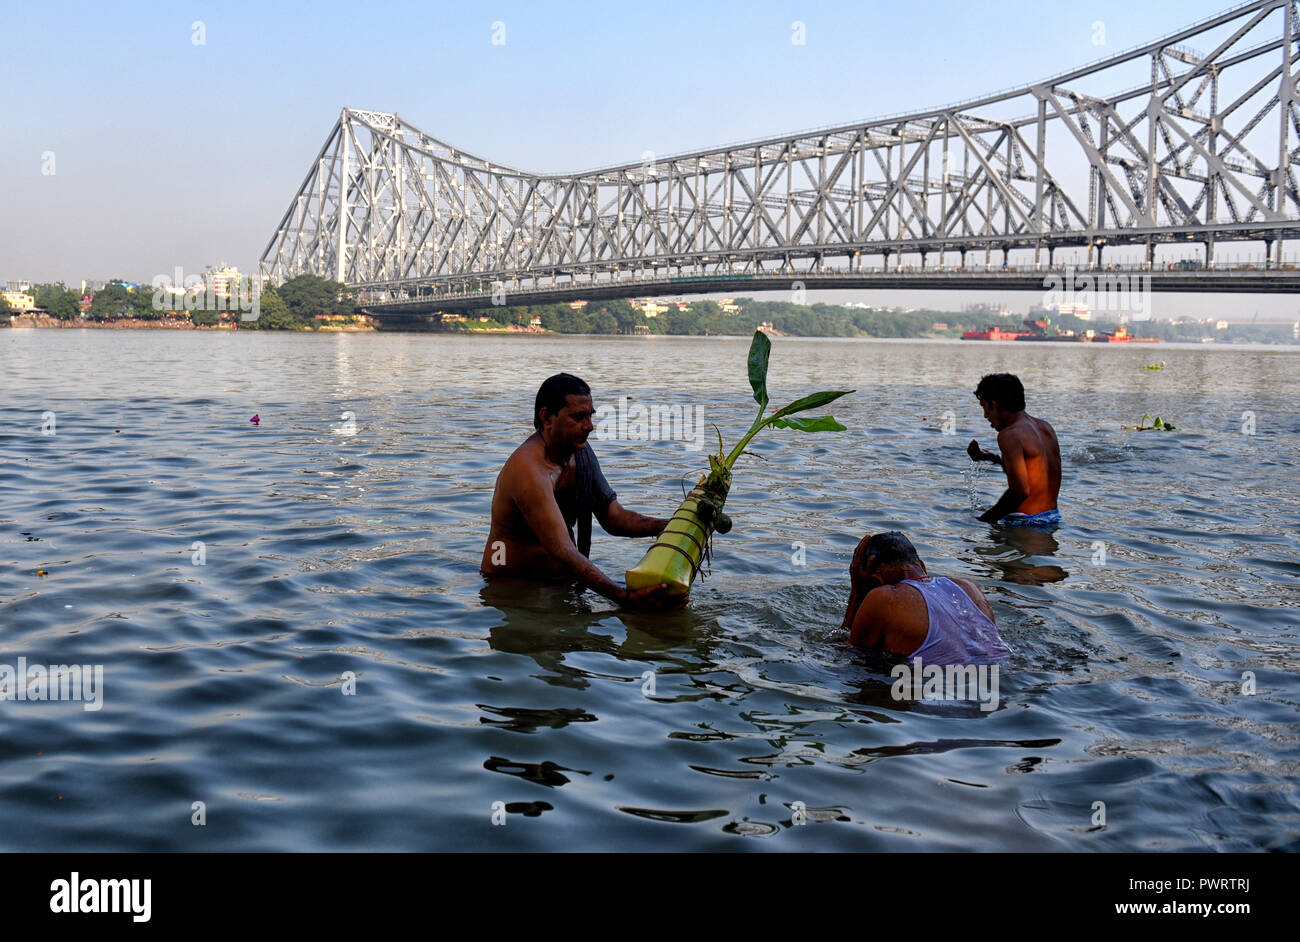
x=273, y=314
x=5, y=310
x=550, y=317
x=57, y=301
x=141, y=303
x=308, y=295
x=682, y=322
x=574, y=320
x=109, y=302
x=603, y=322
x=625, y=315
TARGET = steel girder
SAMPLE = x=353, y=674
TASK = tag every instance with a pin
x=1206, y=150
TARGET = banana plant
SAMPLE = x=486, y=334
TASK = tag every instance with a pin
x=674, y=558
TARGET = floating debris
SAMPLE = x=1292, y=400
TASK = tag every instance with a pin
x=1160, y=425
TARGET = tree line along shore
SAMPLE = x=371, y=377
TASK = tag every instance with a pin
x=304, y=303
x=312, y=303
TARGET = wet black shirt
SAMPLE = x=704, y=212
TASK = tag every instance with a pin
x=590, y=492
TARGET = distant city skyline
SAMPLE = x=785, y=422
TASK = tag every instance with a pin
x=163, y=138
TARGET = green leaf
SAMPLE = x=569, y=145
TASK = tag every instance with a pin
x=816, y=423
x=814, y=401
x=759, y=351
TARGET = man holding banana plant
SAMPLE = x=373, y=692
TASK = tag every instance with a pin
x=552, y=484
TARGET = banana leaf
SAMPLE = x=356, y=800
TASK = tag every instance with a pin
x=676, y=556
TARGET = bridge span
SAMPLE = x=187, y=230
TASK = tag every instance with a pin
x=1122, y=287
x=1180, y=144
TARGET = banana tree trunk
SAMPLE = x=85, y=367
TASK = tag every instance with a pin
x=674, y=557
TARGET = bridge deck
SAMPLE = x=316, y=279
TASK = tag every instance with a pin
x=1100, y=284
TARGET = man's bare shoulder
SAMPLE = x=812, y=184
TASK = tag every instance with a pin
x=969, y=586
x=530, y=454
x=1014, y=434
x=972, y=589
x=1028, y=430
x=527, y=463
x=1045, y=428
x=892, y=597
x=880, y=612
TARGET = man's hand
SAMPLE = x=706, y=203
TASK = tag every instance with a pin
x=860, y=566
x=652, y=598
x=862, y=579
x=979, y=454
x=862, y=575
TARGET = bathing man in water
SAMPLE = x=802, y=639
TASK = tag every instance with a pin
x=895, y=605
x=1031, y=456
x=552, y=482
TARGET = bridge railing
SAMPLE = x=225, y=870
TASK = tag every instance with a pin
x=936, y=276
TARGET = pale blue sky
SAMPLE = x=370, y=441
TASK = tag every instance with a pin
x=167, y=153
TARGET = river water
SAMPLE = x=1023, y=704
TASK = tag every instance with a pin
x=293, y=632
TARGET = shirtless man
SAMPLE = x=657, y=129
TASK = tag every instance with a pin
x=552, y=482
x=1031, y=456
x=897, y=606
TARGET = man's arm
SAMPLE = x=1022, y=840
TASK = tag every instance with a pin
x=855, y=602
x=617, y=520
x=861, y=581
x=535, y=499
x=868, y=629
x=1013, y=463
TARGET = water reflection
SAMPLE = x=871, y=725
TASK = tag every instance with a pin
x=549, y=622
x=1015, y=552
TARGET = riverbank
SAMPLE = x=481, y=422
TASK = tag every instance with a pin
x=45, y=321
x=123, y=323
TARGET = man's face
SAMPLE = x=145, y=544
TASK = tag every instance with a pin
x=572, y=424
x=992, y=412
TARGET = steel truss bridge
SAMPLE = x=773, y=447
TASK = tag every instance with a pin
x=1198, y=148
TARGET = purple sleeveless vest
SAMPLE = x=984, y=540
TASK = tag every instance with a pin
x=960, y=633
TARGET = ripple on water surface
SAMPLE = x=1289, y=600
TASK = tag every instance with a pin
x=292, y=629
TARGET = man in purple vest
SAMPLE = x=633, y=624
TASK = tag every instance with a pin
x=895, y=605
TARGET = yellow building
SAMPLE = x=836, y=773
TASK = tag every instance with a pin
x=649, y=307
x=19, y=301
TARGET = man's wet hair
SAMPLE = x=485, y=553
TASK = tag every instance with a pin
x=1005, y=389
x=554, y=394
x=892, y=547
